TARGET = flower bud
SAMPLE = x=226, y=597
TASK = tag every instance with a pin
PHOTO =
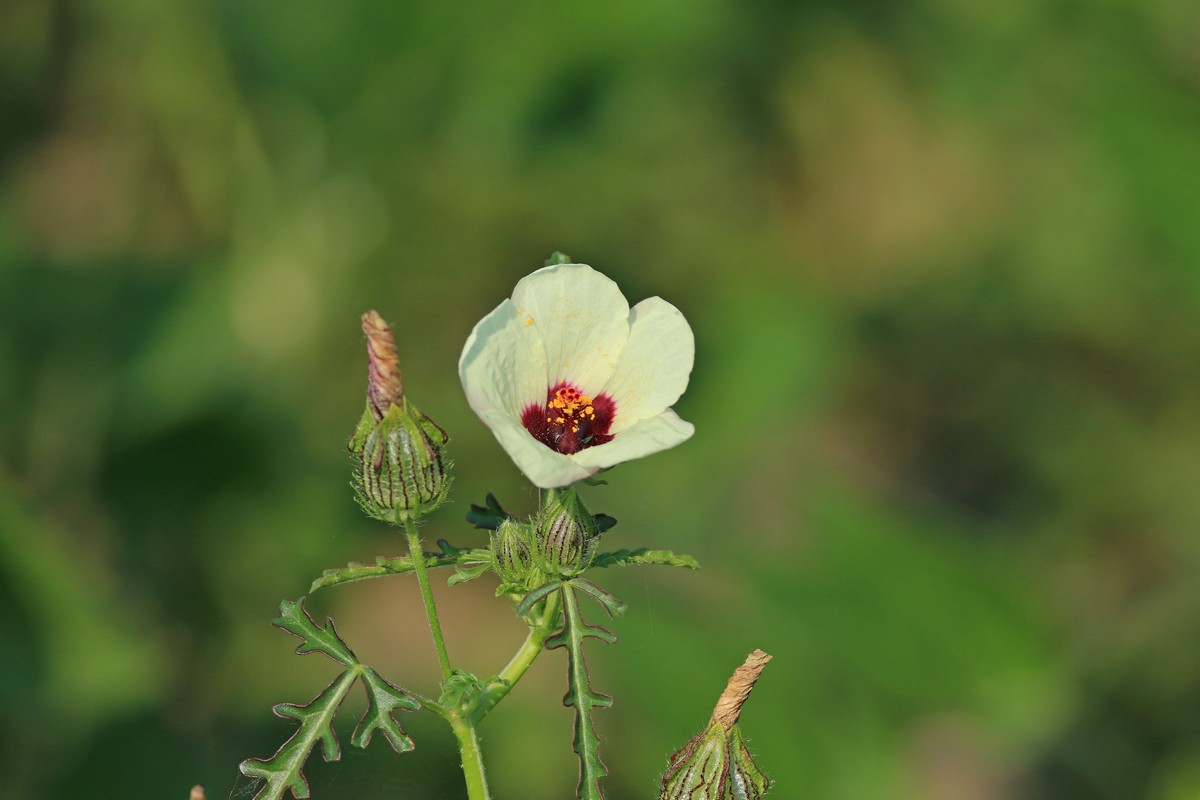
x=512, y=554
x=566, y=535
x=716, y=761
x=400, y=468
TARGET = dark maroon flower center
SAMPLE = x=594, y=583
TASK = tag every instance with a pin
x=570, y=421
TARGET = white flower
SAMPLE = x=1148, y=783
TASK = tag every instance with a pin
x=571, y=380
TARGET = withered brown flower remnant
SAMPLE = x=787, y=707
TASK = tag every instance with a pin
x=385, y=387
x=729, y=706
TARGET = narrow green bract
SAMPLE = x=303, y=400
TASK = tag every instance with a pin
x=747, y=781
x=700, y=770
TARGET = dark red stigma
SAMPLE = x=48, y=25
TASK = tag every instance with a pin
x=570, y=421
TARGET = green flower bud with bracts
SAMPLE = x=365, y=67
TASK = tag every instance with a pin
x=400, y=466
x=566, y=534
x=512, y=547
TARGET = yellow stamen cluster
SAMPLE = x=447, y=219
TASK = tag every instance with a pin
x=572, y=405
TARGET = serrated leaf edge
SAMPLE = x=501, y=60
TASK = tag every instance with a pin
x=313, y=638
x=580, y=694
x=303, y=740
x=377, y=716
x=401, y=565
x=643, y=555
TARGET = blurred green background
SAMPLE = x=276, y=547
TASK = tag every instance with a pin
x=942, y=260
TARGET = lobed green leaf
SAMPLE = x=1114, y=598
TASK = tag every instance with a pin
x=580, y=694
x=383, y=699
x=294, y=619
x=470, y=558
x=283, y=772
x=612, y=605
x=526, y=605
x=487, y=516
x=463, y=573
x=285, y=769
x=604, y=522
x=643, y=555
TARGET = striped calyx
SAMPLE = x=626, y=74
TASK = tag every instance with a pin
x=400, y=467
x=512, y=555
x=716, y=764
x=566, y=534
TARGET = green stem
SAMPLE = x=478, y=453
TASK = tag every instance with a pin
x=522, y=660
x=435, y=627
x=472, y=759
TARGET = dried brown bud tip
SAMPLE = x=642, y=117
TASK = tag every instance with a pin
x=729, y=706
x=384, y=385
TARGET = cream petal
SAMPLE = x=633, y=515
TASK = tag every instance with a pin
x=647, y=436
x=503, y=364
x=583, y=319
x=544, y=467
x=655, y=365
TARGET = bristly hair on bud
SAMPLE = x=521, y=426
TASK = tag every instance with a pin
x=400, y=467
x=512, y=550
x=566, y=534
x=716, y=761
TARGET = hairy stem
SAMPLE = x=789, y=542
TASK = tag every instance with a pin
x=522, y=659
x=472, y=758
x=435, y=627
